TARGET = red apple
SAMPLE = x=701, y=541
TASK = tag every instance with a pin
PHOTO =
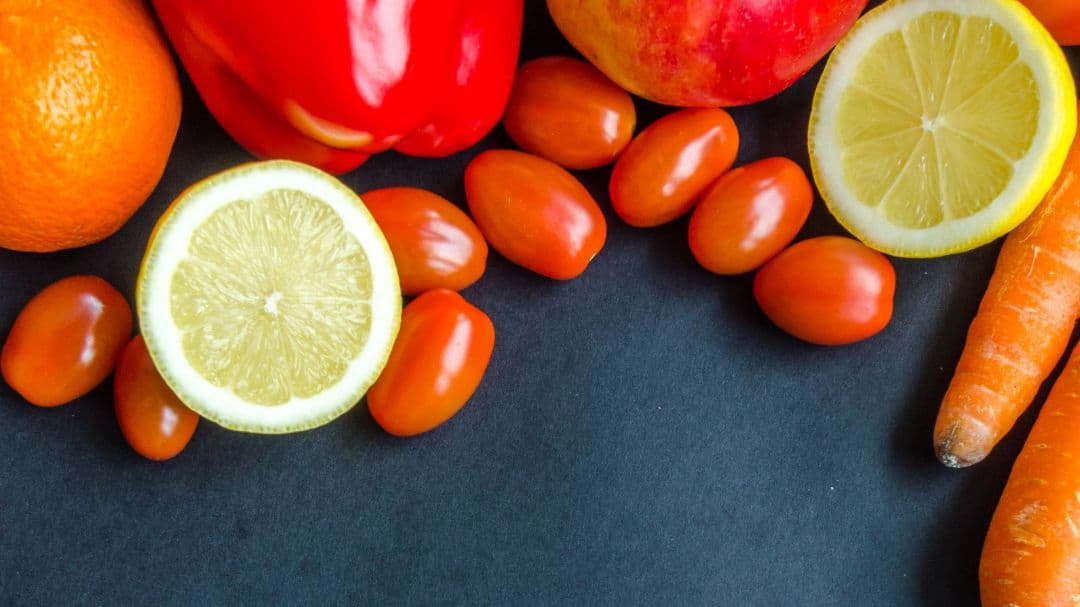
x=704, y=52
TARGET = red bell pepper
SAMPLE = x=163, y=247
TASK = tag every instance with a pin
x=329, y=82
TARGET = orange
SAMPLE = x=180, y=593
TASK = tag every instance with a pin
x=91, y=104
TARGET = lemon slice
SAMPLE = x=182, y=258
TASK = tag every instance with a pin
x=939, y=125
x=268, y=298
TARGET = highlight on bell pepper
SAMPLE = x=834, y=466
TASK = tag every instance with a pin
x=330, y=82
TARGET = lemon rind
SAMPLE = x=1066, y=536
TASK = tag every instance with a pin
x=168, y=245
x=1039, y=167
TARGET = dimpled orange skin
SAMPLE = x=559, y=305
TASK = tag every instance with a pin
x=704, y=52
x=91, y=104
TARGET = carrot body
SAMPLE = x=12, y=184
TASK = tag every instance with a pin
x=1021, y=329
x=1031, y=556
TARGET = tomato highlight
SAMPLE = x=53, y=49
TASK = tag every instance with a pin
x=667, y=166
x=829, y=290
x=435, y=244
x=534, y=213
x=66, y=340
x=567, y=111
x=749, y=215
x=152, y=419
x=440, y=355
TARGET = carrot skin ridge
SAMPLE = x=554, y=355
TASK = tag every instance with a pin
x=1021, y=329
x=1031, y=556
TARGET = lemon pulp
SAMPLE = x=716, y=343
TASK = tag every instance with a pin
x=261, y=312
x=268, y=298
x=934, y=130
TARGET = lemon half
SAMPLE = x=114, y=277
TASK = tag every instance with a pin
x=268, y=298
x=938, y=125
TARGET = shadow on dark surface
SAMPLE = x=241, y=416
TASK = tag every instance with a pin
x=911, y=441
x=949, y=569
x=99, y=412
x=365, y=426
x=669, y=250
x=731, y=297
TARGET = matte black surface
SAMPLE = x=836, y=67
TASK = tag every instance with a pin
x=644, y=436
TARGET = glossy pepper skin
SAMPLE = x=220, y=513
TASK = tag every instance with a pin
x=329, y=82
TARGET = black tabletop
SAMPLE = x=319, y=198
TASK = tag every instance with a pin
x=643, y=436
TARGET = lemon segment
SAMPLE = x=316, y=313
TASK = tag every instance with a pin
x=938, y=126
x=268, y=298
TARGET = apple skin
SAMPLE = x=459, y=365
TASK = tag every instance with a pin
x=704, y=52
x=1061, y=18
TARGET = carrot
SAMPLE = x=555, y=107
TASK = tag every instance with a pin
x=1031, y=556
x=1021, y=329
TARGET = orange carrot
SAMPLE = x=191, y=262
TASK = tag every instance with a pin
x=1021, y=329
x=1031, y=556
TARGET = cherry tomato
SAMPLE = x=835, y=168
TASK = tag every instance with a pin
x=153, y=420
x=1061, y=18
x=66, y=340
x=435, y=244
x=567, y=111
x=828, y=290
x=749, y=215
x=668, y=165
x=534, y=213
x=438, y=360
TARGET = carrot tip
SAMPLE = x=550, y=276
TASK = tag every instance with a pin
x=961, y=444
x=952, y=461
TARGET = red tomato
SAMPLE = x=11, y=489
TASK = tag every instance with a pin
x=153, y=420
x=66, y=340
x=534, y=213
x=1061, y=17
x=435, y=244
x=669, y=164
x=749, y=215
x=565, y=110
x=828, y=290
x=438, y=360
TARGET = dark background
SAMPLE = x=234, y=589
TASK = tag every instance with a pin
x=643, y=436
